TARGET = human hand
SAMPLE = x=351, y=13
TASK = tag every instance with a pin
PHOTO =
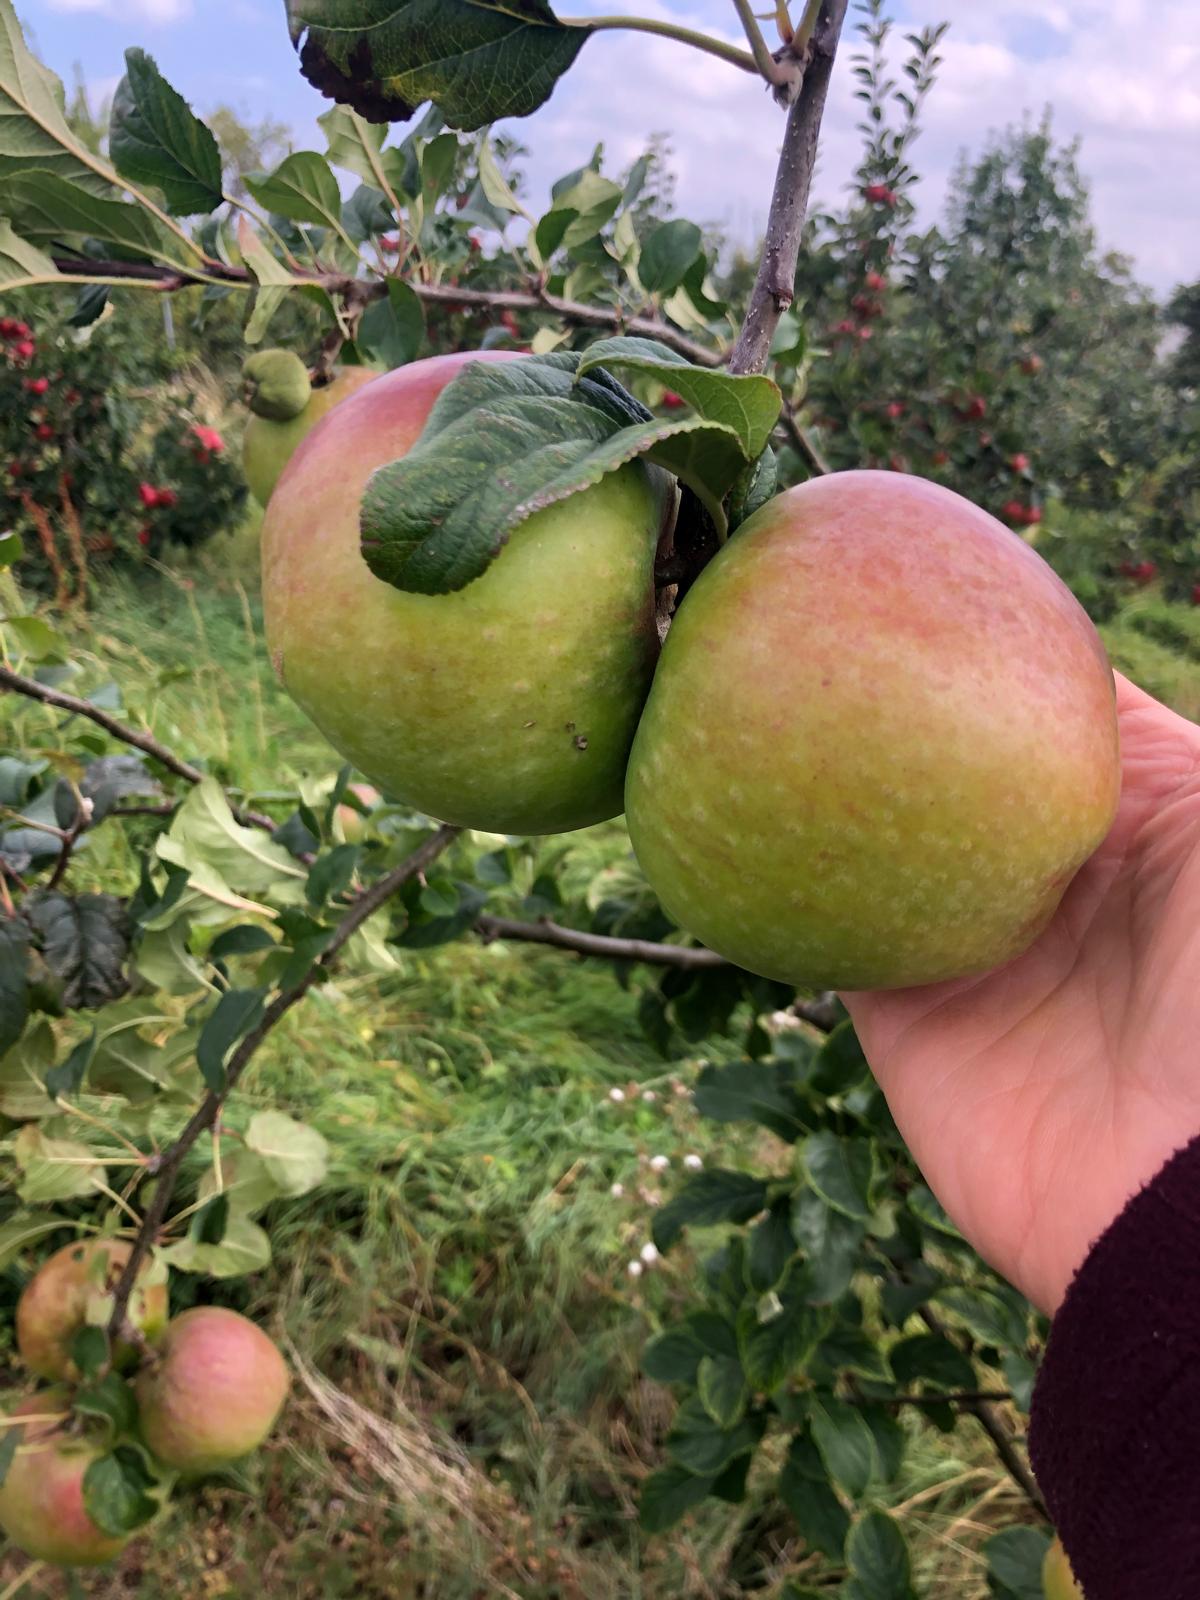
x=1038, y=1098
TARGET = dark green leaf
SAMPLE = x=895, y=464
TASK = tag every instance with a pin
x=476, y=60
x=878, y=1557
x=89, y=1350
x=154, y=138
x=114, y=1491
x=806, y=1491
x=244, y=940
x=845, y=1443
x=931, y=1358
x=841, y=1064
x=900, y=1300
x=209, y=1223
x=831, y=1241
x=302, y=188
x=840, y=1171
x=14, y=983
x=749, y=1091
x=66, y=1079
x=1015, y=1559
x=991, y=1319
x=47, y=207
x=718, y=1195
x=776, y=1339
x=236, y=1012
x=85, y=940
x=424, y=935
x=666, y=255
x=730, y=1485
x=850, y=1349
x=890, y=1440
x=668, y=1494
x=755, y=485
x=109, y=1397
x=769, y=1248
x=1020, y=1374
x=10, y=1442
x=675, y=1356
x=925, y=1205
x=704, y=1447
x=331, y=873
x=300, y=834
x=721, y=1385
x=393, y=329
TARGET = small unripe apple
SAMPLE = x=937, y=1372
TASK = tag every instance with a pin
x=880, y=741
x=352, y=822
x=509, y=705
x=1031, y=365
x=1058, y=1581
x=212, y=1391
x=54, y=1305
x=286, y=407
x=41, y=1499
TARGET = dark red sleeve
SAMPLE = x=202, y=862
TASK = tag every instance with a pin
x=1115, y=1432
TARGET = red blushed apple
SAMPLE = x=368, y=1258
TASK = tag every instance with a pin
x=269, y=444
x=509, y=705
x=41, y=1499
x=880, y=742
x=351, y=821
x=54, y=1304
x=212, y=1391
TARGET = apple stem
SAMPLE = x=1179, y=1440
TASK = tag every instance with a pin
x=775, y=284
x=668, y=30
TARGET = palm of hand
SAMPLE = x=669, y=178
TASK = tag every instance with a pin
x=1037, y=1099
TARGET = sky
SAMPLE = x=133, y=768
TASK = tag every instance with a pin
x=1122, y=75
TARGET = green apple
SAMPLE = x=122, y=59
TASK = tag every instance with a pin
x=1058, y=1581
x=55, y=1303
x=509, y=705
x=41, y=1499
x=211, y=1392
x=286, y=405
x=881, y=740
x=351, y=820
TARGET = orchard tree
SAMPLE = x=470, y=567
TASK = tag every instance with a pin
x=841, y=1293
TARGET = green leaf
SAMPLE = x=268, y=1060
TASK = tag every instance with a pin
x=89, y=1349
x=235, y=1014
x=849, y=1349
x=155, y=138
x=247, y=939
x=48, y=207
x=496, y=186
x=669, y=1493
x=331, y=873
x=19, y=1231
x=53, y=1169
x=476, y=60
x=840, y=1171
x=891, y=1441
x=217, y=852
x=777, y=1338
x=806, y=1491
x=37, y=638
x=66, y=1079
x=703, y=1446
x=1014, y=1562
x=22, y=266
x=355, y=144
x=770, y=1247
x=10, y=543
x=991, y=1319
x=14, y=984
x=840, y=1065
x=675, y=1356
x=110, y=1397
x=931, y=1358
x=295, y=1156
x=721, y=1385
x=302, y=188
x=717, y=1195
x=878, y=1557
x=247, y=1186
x=10, y=1443
x=244, y=1247
x=115, y=1493
x=749, y=1091
x=845, y=1442
x=667, y=253
x=830, y=1240
x=1020, y=1374
x=393, y=329
x=924, y=1205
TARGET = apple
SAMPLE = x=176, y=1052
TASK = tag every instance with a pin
x=211, y=1392
x=352, y=822
x=509, y=705
x=880, y=741
x=41, y=1499
x=286, y=405
x=55, y=1302
x=1058, y=1581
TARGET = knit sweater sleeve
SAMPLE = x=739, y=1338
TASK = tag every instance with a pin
x=1115, y=1431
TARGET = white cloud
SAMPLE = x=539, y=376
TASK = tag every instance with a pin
x=1124, y=77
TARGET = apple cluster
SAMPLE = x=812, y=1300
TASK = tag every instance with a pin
x=206, y=1386
x=876, y=746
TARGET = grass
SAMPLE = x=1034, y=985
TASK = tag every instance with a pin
x=468, y=1418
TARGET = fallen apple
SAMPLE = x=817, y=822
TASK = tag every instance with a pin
x=54, y=1305
x=880, y=742
x=211, y=1392
x=41, y=1498
x=509, y=705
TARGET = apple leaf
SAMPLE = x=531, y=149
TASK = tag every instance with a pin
x=476, y=60
x=505, y=440
x=302, y=188
x=36, y=131
x=115, y=1493
x=667, y=254
x=156, y=138
x=85, y=940
x=22, y=265
x=14, y=987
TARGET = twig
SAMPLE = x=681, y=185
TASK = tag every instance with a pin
x=165, y=1168
x=16, y=683
x=766, y=63
x=83, y=815
x=981, y=1409
x=967, y=1398
x=775, y=284
x=802, y=441
x=27, y=1575
x=360, y=292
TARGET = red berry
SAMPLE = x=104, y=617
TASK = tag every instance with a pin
x=1196, y=594
x=25, y=350
x=894, y=409
x=166, y=497
x=390, y=244
x=209, y=438
x=865, y=333
x=976, y=408
x=878, y=194
x=985, y=439
x=147, y=494
x=44, y=431
x=940, y=457
x=203, y=457
x=1019, y=462
x=1033, y=516
x=22, y=329
x=876, y=282
x=15, y=469
x=1013, y=511
x=671, y=400
x=8, y=328
x=144, y=536
x=1144, y=572
x=474, y=243
x=897, y=464
x=37, y=385
x=1031, y=365
x=72, y=397
x=845, y=326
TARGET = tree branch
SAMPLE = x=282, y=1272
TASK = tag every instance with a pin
x=361, y=291
x=166, y=1167
x=802, y=441
x=16, y=683
x=688, y=958
x=775, y=284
